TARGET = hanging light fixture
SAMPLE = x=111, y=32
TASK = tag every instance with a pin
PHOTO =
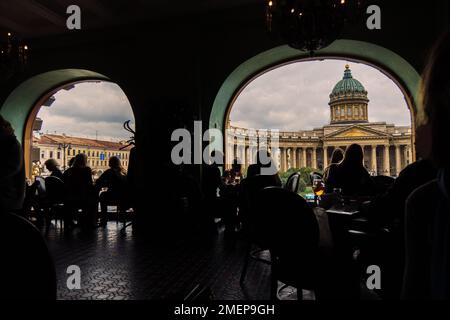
x=13, y=56
x=310, y=25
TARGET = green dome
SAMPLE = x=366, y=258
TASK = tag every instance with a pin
x=348, y=84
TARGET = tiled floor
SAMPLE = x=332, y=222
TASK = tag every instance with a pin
x=118, y=266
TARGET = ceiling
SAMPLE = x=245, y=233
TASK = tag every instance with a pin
x=36, y=18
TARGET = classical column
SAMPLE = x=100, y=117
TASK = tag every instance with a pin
x=283, y=159
x=314, y=158
x=294, y=157
x=275, y=153
x=229, y=157
x=304, y=160
x=325, y=157
x=374, y=159
x=386, y=161
x=242, y=154
x=398, y=159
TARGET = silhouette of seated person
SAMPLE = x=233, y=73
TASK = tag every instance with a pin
x=427, y=215
x=12, y=172
x=260, y=175
x=212, y=177
x=53, y=166
x=218, y=198
x=80, y=192
x=350, y=175
x=114, y=180
x=336, y=157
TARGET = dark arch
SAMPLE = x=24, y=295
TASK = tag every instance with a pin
x=24, y=102
x=388, y=62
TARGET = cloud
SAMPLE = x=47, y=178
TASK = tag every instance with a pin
x=295, y=96
x=90, y=109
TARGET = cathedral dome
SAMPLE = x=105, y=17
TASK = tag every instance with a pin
x=348, y=85
x=348, y=100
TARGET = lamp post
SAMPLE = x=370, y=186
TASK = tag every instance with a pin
x=64, y=146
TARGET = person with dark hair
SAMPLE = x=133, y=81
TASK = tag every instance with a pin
x=336, y=158
x=264, y=162
x=12, y=173
x=115, y=180
x=350, y=174
x=79, y=189
x=70, y=163
x=427, y=216
x=53, y=166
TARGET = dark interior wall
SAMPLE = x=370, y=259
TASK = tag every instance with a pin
x=171, y=70
x=181, y=63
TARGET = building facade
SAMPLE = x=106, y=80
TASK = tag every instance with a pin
x=62, y=148
x=387, y=148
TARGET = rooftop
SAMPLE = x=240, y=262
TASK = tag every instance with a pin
x=55, y=139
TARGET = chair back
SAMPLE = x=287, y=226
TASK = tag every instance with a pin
x=55, y=189
x=41, y=187
x=289, y=224
x=293, y=182
x=249, y=198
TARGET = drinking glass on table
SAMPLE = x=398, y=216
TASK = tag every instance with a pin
x=318, y=187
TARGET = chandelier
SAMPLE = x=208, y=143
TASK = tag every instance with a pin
x=13, y=56
x=310, y=25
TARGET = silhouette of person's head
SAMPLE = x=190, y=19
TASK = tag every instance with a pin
x=263, y=158
x=80, y=161
x=337, y=156
x=5, y=127
x=436, y=100
x=51, y=165
x=71, y=161
x=354, y=156
x=216, y=157
x=115, y=164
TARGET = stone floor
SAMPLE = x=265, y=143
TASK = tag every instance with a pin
x=116, y=265
x=119, y=265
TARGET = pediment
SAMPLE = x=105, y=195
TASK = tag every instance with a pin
x=357, y=132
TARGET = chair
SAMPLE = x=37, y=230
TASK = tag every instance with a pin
x=292, y=233
x=293, y=182
x=28, y=271
x=250, y=218
x=55, y=198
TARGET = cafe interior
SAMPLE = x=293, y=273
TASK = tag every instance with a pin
x=195, y=230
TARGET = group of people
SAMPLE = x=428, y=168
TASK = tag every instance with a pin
x=81, y=192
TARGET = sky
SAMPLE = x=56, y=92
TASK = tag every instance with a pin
x=88, y=109
x=295, y=96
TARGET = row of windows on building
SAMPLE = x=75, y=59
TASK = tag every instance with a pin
x=95, y=158
x=97, y=154
x=355, y=111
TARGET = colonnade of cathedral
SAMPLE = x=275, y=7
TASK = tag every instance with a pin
x=379, y=159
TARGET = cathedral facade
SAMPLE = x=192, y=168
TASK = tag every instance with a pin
x=387, y=148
